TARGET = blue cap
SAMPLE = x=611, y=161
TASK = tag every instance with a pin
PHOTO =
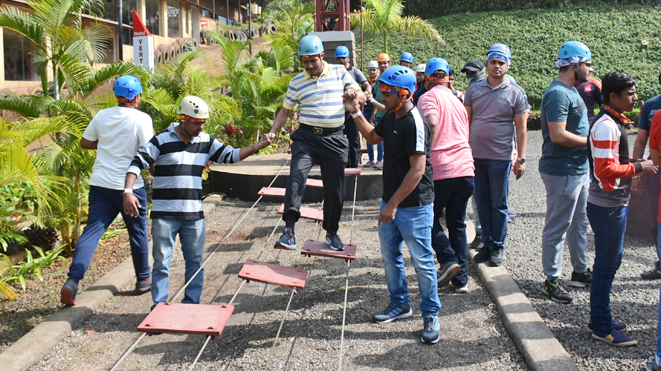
x=574, y=49
x=500, y=49
x=310, y=45
x=399, y=76
x=127, y=87
x=341, y=52
x=436, y=64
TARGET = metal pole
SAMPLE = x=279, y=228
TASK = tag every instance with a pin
x=362, y=53
x=227, y=5
x=120, y=31
x=250, y=26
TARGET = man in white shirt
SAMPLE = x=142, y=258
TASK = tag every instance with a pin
x=116, y=133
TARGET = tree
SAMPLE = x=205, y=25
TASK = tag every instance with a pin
x=55, y=28
x=295, y=19
x=384, y=16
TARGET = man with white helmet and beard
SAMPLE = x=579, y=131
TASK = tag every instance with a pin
x=179, y=155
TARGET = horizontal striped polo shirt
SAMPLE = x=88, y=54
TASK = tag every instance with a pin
x=320, y=98
x=177, y=187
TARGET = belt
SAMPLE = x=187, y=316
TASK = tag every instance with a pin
x=321, y=131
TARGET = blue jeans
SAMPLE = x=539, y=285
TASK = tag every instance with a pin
x=566, y=199
x=104, y=205
x=413, y=226
x=379, y=146
x=452, y=195
x=652, y=189
x=491, y=189
x=164, y=234
x=658, y=324
x=608, y=224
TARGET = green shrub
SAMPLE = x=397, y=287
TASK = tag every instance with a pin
x=436, y=8
x=614, y=34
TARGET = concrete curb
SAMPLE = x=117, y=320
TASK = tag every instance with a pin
x=539, y=347
x=24, y=353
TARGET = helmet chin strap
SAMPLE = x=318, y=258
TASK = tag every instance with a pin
x=402, y=100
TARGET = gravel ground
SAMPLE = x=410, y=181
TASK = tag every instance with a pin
x=633, y=300
x=472, y=335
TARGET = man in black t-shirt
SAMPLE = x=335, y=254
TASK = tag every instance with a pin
x=408, y=195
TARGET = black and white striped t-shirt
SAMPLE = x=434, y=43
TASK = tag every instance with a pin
x=178, y=176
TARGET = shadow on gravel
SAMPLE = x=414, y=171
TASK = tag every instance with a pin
x=230, y=247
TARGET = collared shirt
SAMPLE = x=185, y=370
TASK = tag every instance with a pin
x=451, y=155
x=492, y=129
x=320, y=98
x=178, y=177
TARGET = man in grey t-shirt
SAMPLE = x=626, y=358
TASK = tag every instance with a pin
x=498, y=113
x=350, y=129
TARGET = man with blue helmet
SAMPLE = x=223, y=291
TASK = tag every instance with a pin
x=406, y=59
x=116, y=134
x=498, y=113
x=350, y=130
x=318, y=94
x=408, y=195
x=452, y=160
x=564, y=168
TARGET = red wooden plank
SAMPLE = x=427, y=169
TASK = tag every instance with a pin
x=272, y=192
x=352, y=171
x=179, y=318
x=274, y=274
x=316, y=183
x=319, y=248
x=307, y=213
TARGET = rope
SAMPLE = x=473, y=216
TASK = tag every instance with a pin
x=128, y=351
x=236, y=225
x=199, y=353
x=282, y=321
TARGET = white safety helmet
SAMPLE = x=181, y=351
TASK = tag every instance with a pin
x=194, y=107
x=373, y=64
x=420, y=68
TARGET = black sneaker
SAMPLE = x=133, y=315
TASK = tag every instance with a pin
x=287, y=241
x=447, y=272
x=496, y=258
x=555, y=291
x=142, y=287
x=483, y=255
x=653, y=274
x=68, y=292
x=333, y=241
x=581, y=279
x=477, y=241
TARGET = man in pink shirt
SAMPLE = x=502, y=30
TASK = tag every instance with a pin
x=452, y=160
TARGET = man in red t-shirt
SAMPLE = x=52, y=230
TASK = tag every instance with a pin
x=590, y=91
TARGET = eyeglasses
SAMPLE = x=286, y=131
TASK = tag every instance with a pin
x=385, y=88
x=386, y=62
x=308, y=57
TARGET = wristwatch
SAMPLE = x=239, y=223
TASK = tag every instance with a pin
x=521, y=160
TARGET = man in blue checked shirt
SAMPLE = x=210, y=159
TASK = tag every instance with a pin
x=179, y=155
x=318, y=93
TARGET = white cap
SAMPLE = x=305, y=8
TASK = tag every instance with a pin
x=372, y=64
x=194, y=107
x=420, y=68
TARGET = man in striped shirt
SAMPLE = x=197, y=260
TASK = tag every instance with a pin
x=318, y=93
x=179, y=155
x=608, y=199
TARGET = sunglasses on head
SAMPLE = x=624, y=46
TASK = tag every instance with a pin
x=192, y=119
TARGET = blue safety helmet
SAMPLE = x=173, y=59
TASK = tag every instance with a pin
x=341, y=52
x=574, y=49
x=127, y=87
x=399, y=76
x=310, y=45
x=436, y=64
x=406, y=57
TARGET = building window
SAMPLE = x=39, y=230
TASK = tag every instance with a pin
x=18, y=58
x=206, y=13
x=174, y=18
x=152, y=20
x=186, y=19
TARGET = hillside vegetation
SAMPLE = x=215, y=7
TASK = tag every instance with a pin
x=614, y=34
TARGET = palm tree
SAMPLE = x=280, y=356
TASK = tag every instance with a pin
x=295, y=19
x=55, y=28
x=385, y=16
